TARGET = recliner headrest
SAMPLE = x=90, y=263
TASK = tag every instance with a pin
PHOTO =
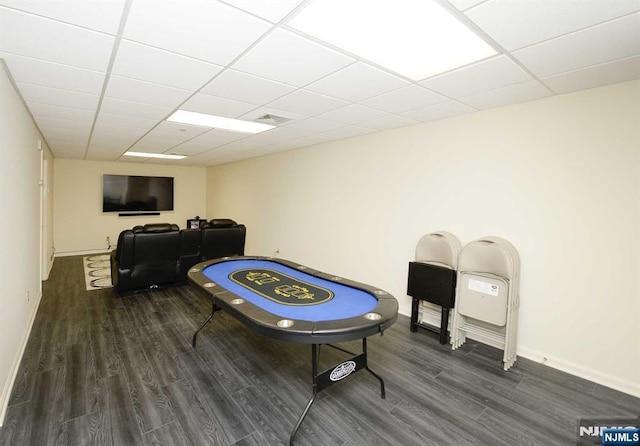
x=221, y=223
x=156, y=228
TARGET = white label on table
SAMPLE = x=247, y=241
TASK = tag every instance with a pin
x=483, y=287
x=341, y=371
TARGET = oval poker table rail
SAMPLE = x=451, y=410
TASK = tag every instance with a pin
x=261, y=313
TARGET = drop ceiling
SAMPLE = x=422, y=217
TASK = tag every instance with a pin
x=100, y=77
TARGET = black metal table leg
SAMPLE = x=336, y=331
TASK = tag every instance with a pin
x=364, y=349
x=213, y=310
x=327, y=378
x=314, y=367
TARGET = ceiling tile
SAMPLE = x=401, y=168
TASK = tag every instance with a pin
x=138, y=91
x=65, y=148
x=79, y=136
x=49, y=74
x=227, y=158
x=149, y=64
x=348, y=131
x=228, y=154
x=201, y=159
x=439, y=111
x=525, y=91
x=250, y=142
x=55, y=111
x=516, y=24
x=389, y=122
x=80, y=126
x=285, y=133
x=54, y=41
x=246, y=88
x=311, y=126
x=101, y=16
x=608, y=73
x=257, y=140
x=404, y=99
x=133, y=159
x=307, y=103
x=95, y=154
x=286, y=57
x=353, y=114
x=212, y=105
x=114, y=138
x=272, y=10
x=613, y=40
x=208, y=141
x=275, y=148
x=124, y=121
x=153, y=145
x=218, y=137
x=135, y=109
x=465, y=4
x=55, y=96
x=487, y=75
x=315, y=139
x=357, y=82
x=61, y=137
x=116, y=133
x=203, y=29
x=188, y=148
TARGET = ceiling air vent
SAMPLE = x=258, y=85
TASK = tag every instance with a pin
x=272, y=119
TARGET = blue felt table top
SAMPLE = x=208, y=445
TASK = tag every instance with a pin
x=347, y=301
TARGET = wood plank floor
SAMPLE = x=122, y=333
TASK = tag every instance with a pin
x=103, y=369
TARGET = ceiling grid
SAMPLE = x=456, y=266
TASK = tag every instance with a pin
x=101, y=78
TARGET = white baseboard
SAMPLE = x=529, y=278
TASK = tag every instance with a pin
x=13, y=373
x=431, y=315
x=595, y=376
x=82, y=253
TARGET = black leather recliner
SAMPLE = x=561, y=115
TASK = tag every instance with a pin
x=222, y=237
x=189, y=250
x=146, y=256
x=161, y=254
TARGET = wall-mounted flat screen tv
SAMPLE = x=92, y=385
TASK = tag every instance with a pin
x=130, y=193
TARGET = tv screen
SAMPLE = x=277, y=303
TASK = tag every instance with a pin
x=129, y=193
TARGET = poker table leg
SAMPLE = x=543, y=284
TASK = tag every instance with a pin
x=213, y=310
x=314, y=366
x=321, y=381
x=364, y=349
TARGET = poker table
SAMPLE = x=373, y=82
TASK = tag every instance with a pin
x=292, y=302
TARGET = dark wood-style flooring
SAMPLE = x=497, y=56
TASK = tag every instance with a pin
x=103, y=369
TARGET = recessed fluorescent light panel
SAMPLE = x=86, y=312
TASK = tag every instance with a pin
x=218, y=122
x=415, y=38
x=156, y=155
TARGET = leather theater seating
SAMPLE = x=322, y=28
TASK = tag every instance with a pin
x=161, y=254
x=220, y=238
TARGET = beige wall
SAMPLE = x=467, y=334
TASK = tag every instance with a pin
x=81, y=226
x=20, y=197
x=558, y=178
